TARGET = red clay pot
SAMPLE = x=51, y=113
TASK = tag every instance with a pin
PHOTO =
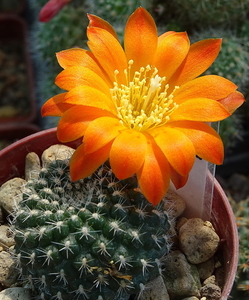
x=12, y=132
x=14, y=30
x=12, y=161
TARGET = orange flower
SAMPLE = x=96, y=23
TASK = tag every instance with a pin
x=143, y=106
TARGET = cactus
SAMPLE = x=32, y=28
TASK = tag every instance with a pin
x=96, y=238
x=112, y=10
x=205, y=13
x=65, y=30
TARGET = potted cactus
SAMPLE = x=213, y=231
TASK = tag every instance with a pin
x=142, y=115
x=39, y=256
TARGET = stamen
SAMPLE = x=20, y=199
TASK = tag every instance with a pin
x=143, y=103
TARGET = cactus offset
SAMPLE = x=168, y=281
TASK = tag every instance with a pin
x=96, y=238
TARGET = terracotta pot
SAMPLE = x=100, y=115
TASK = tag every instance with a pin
x=12, y=161
x=18, y=86
x=12, y=132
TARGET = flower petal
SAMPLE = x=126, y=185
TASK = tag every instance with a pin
x=177, y=147
x=80, y=57
x=108, y=52
x=233, y=101
x=96, y=21
x=55, y=106
x=210, y=86
x=83, y=165
x=154, y=175
x=178, y=180
x=200, y=109
x=140, y=39
x=88, y=96
x=201, y=55
x=75, y=121
x=100, y=132
x=162, y=36
x=126, y=163
x=171, y=52
x=76, y=76
x=207, y=142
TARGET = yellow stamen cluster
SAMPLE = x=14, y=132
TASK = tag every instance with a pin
x=143, y=103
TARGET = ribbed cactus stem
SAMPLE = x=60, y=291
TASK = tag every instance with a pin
x=96, y=238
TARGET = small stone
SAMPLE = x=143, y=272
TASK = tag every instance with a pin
x=181, y=278
x=211, y=291
x=155, y=290
x=210, y=279
x=180, y=222
x=8, y=271
x=15, y=293
x=6, y=239
x=174, y=204
x=198, y=240
x=32, y=166
x=206, y=269
x=56, y=152
x=11, y=194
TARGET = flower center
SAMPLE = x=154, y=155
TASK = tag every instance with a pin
x=143, y=103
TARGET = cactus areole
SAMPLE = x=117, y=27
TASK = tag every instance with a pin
x=96, y=238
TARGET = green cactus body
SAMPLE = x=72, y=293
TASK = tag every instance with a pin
x=96, y=238
x=206, y=13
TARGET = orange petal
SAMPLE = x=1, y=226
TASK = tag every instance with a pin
x=171, y=51
x=207, y=142
x=76, y=76
x=200, y=109
x=233, y=101
x=55, y=106
x=154, y=175
x=162, y=36
x=201, y=55
x=98, y=22
x=140, y=39
x=75, y=121
x=88, y=96
x=210, y=86
x=100, y=132
x=83, y=165
x=178, y=180
x=108, y=52
x=177, y=147
x=80, y=57
x=127, y=153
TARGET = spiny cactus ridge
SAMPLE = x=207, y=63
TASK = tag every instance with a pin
x=95, y=239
